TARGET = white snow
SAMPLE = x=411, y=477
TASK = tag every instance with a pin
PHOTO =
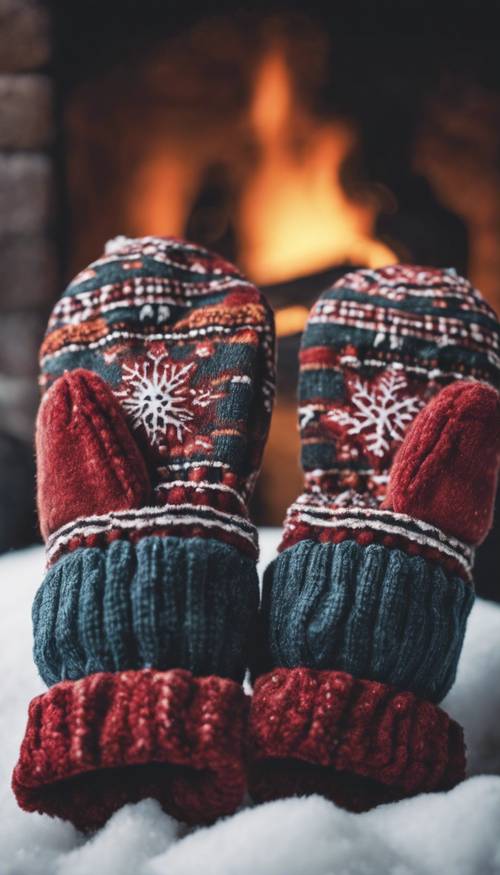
x=456, y=832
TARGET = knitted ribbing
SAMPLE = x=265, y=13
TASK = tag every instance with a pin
x=95, y=744
x=370, y=611
x=357, y=742
x=163, y=602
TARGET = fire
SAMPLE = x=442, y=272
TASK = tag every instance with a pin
x=291, y=320
x=294, y=216
x=161, y=192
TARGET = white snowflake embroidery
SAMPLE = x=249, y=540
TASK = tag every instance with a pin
x=380, y=414
x=307, y=414
x=157, y=394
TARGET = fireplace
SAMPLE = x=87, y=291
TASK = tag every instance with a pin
x=294, y=141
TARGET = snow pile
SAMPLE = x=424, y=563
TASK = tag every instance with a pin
x=455, y=832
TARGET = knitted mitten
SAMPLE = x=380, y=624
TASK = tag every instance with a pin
x=158, y=380
x=364, y=610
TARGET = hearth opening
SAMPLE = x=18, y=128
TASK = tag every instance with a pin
x=286, y=140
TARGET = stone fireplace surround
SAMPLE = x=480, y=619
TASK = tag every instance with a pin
x=28, y=273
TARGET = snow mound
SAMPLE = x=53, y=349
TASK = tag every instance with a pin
x=446, y=832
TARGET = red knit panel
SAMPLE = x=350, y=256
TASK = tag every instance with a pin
x=88, y=461
x=373, y=742
x=95, y=744
x=446, y=470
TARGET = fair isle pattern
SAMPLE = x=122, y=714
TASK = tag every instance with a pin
x=390, y=324
x=83, y=306
x=194, y=278
x=377, y=347
x=187, y=346
x=199, y=520
x=400, y=281
x=157, y=394
x=319, y=518
x=378, y=412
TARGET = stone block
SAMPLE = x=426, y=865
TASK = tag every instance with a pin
x=26, y=192
x=24, y=35
x=20, y=336
x=28, y=272
x=26, y=116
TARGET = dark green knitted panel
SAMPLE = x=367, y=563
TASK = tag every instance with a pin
x=162, y=603
x=376, y=613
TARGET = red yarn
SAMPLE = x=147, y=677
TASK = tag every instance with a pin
x=95, y=744
x=446, y=469
x=357, y=742
x=88, y=461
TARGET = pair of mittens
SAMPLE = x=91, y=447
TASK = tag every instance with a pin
x=158, y=377
x=158, y=373
x=364, y=610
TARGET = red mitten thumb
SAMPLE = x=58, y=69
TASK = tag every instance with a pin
x=446, y=470
x=87, y=460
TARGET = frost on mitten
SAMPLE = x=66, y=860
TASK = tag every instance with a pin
x=364, y=610
x=158, y=380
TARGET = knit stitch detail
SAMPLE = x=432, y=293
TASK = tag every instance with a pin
x=164, y=602
x=188, y=519
x=372, y=612
x=93, y=745
x=313, y=516
x=357, y=742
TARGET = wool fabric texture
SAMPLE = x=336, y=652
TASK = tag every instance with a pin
x=88, y=460
x=157, y=373
x=377, y=347
x=357, y=742
x=160, y=350
x=158, y=379
x=162, y=603
x=95, y=744
x=446, y=470
x=368, y=599
x=367, y=610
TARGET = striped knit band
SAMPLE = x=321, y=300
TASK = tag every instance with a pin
x=318, y=517
x=96, y=744
x=357, y=742
x=373, y=612
x=434, y=316
x=191, y=520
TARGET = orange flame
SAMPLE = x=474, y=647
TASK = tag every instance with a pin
x=294, y=216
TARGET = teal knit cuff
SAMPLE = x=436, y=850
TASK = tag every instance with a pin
x=372, y=611
x=162, y=603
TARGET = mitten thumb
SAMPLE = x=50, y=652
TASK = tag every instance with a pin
x=87, y=460
x=446, y=470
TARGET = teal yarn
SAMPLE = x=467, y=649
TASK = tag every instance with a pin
x=164, y=602
x=374, y=612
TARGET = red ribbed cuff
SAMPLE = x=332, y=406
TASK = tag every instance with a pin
x=357, y=742
x=95, y=744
